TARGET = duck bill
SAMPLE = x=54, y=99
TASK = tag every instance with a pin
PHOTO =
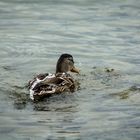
x=75, y=70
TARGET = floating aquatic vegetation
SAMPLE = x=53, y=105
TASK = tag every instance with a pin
x=125, y=94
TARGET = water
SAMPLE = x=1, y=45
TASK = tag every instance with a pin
x=103, y=37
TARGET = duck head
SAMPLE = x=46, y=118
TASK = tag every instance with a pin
x=65, y=63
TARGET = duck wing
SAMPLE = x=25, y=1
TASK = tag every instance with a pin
x=50, y=84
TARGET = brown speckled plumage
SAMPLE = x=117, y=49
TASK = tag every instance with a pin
x=45, y=85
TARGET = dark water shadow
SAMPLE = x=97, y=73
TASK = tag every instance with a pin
x=62, y=102
x=19, y=97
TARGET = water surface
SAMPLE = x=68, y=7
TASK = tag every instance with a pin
x=104, y=39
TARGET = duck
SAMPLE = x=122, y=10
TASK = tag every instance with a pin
x=47, y=84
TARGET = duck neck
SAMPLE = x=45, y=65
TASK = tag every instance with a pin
x=61, y=69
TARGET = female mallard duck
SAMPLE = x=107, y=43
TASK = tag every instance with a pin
x=44, y=85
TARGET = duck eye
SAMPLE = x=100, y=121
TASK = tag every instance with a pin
x=71, y=59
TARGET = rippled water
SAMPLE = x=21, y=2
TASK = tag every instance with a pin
x=104, y=38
